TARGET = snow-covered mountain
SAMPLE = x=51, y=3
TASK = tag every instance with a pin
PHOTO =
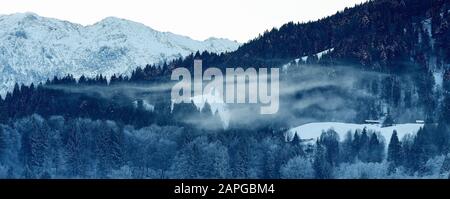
x=34, y=48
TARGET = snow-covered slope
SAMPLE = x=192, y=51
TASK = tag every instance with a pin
x=312, y=131
x=34, y=48
x=304, y=59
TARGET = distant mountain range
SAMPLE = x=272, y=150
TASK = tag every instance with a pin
x=34, y=48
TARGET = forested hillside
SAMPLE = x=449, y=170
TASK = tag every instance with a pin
x=385, y=62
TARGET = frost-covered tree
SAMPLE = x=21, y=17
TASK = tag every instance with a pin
x=323, y=169
x=297, y=168
x=361, y=170
x=241, y=157
x=9, y=147
x=201, y=159
x=330, y=140
x=347, y=154
x=445, y=168
x=34, y=143
x=75, y=149
x=270, y=160
x=108, y=147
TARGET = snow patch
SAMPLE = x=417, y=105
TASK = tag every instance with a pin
x=320, y=54
x=303, y=59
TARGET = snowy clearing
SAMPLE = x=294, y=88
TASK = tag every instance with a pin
x=312, y=131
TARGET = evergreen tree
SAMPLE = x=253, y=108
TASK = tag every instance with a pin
x=407, y=99
x=395, y=150
x=347, y=154
x=422, y=149
x=363, y=152
x=297, y=168
x=270, y=161
x=356, y=143
x=241, y=159
x=3, y=146
x=443, y=137
x=297, y=145
x=73, y=150
x=34, y=143
x=376, y=149
x=426, y=95
x=396, y=92
x=322, y=167
x=296, y=139
x=330, y=140
x=116, y=151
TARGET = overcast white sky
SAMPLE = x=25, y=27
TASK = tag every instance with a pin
x=239, y=20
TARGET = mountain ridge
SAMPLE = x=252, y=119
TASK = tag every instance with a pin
x=380, y=35
x=35, y=48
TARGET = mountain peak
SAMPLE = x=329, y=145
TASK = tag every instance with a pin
x=20, y=17
x=29, y=15
x=116, y=21
x=35, y=48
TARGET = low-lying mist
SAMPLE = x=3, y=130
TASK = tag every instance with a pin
x=308, y=93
